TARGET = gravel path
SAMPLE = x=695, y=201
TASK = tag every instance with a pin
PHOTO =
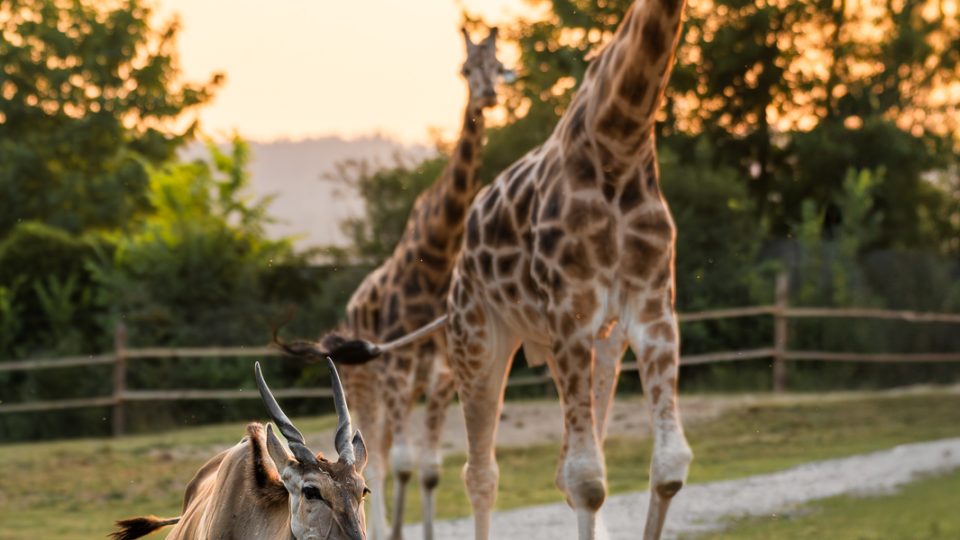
x=704, y=507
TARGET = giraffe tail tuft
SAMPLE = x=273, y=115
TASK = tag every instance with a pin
x=349, y=351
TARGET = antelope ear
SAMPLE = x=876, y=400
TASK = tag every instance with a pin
x=359, y=451
x=276, y=450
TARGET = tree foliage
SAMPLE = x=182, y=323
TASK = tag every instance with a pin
x=193, y=268
x=90, y=98
x=49, y=291
x=815, y=137
x=790, y=94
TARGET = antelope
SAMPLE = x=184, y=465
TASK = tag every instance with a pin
x=240, y=494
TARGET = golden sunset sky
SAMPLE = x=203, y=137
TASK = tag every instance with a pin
x=306, y=68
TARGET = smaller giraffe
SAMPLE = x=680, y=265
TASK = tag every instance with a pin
x=408, y=291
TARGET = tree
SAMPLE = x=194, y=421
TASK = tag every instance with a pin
x=49, y=291
x=791, y=95
x=192, y=272
x=88, y=95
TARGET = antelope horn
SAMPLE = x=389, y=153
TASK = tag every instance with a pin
x=343, y=440
x=293, y=435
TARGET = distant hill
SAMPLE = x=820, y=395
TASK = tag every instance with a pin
x=306, y=205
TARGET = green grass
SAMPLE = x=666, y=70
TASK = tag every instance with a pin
x=742, y=442
x=76, y=489
x=925, y=510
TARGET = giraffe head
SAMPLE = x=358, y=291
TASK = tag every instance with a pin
x=483, y=70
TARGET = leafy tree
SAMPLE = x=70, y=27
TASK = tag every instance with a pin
x=49, y=291
x=10, y=323
x=191, y=272
x=88, y=92
x=791, y=95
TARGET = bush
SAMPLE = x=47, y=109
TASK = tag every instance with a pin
x=45, y=273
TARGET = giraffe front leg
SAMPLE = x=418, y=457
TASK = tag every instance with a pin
x=439, y=395
x=398, y=396
x=657, y=348
x=582, y=474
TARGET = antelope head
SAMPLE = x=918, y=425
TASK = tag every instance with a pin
x=326, y=498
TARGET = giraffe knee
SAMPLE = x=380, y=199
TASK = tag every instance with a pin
x=669, y=466
x=430, y=470
x=429, y=479
x=481, y=482
x=588, y=494
x=584, y=483
x=402, y=461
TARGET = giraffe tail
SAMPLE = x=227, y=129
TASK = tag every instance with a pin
x=354, y=351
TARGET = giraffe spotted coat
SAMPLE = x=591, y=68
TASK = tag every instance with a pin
x=569, y=253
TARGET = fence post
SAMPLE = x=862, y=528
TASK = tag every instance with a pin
x=780, y=333
x=119, y=378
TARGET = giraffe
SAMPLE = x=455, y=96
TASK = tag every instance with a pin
x=569, y=253
x=407, y=291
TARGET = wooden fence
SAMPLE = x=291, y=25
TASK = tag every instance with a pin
x=778, y=352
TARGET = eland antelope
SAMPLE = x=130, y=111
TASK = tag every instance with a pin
x=241, y=494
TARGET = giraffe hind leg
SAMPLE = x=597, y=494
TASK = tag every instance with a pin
x=361, y=384
x=398, y=395
x=438, y=400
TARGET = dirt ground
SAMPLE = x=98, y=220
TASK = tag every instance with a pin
x=528, y=423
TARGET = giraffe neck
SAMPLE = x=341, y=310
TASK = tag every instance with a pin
x=441, y=210
x=465, y=161
x=623, y=88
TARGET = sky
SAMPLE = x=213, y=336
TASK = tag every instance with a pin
x=305, y=68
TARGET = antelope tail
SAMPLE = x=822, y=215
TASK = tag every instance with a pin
x=128, y=529
x=356, y=351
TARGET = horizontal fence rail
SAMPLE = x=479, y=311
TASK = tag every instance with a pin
x=781, y=312
x=860, y=313
x=57, y=363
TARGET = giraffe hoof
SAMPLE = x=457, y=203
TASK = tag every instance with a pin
x=669, y=489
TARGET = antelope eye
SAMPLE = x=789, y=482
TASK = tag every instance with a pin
x=312, y=493
x=366, y=491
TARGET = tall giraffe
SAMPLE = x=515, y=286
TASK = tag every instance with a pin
x=570, y=253
x=407, y=291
